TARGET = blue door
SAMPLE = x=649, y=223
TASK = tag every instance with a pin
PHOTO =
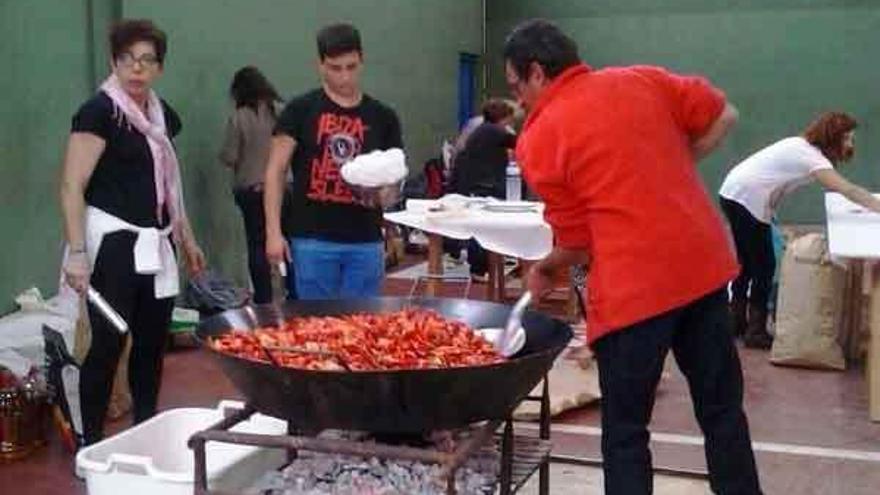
x=467, y=87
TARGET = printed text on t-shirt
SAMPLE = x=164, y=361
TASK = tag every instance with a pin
x=340, y=138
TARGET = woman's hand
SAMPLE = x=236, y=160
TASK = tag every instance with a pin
x=77, y=271
x=194, y=257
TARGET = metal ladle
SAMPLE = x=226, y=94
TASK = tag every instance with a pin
x=510, y=339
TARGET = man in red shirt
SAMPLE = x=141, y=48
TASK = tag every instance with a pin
x=612, y=153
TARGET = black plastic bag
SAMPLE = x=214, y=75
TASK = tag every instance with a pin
x=63, y=384
x=210, y=293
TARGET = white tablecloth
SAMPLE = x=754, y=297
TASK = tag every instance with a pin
x=521, y=235
x=853, y=231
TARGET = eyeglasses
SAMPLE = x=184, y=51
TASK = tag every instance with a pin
x=148, y=60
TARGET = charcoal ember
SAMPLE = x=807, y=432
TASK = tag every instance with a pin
x=334, y=474
x=325, y=474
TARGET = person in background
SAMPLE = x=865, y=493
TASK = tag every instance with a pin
x=752, y=191
x=480, y=168
x=433, y=174
x=613, y=154
x=476, y=121
x=246, y=150
x=122, y=206
x=465, y=132
x=336, y=242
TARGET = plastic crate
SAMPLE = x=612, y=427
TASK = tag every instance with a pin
x=153, y=457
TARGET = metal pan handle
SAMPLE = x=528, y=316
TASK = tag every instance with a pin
x=104, y=307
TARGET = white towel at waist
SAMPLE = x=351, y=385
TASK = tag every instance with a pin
x=153, y=253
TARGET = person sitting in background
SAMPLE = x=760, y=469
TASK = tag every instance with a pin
x=752, y=191
x=465, y=132
x=479, y=168
x=477, y=120
x=433, y=172
x=246, y=150
x=122, y=204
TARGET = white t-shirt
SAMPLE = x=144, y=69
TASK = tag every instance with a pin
x=760, y=181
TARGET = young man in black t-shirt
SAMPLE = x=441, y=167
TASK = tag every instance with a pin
x=335, y=242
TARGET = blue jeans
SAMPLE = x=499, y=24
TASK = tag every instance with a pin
x=337, y=270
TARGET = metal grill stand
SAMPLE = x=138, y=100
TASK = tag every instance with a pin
x=520, y=456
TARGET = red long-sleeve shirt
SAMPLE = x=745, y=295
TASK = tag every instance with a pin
x=609, y=152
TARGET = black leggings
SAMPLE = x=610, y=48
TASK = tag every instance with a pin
x=754, y=248
x=250, y=202
x=132, y=296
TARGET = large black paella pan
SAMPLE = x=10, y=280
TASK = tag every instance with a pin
x=400, y=401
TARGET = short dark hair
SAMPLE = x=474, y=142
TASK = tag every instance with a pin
x=496, y=110
x=827, y=132
x=540, y=41
x=338, y=39
x=250, y=87
x=127, y=32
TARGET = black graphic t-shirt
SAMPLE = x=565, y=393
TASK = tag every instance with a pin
x=328, y=135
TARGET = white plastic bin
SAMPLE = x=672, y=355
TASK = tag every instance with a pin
x=153, y=458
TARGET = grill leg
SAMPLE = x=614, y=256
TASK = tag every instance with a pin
x=544, y=470
x=292, y=454
x=201, y=470
x=506, y=458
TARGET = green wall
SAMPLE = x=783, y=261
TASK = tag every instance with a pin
x=55, y=53
x=780, y=61
x=43, y=45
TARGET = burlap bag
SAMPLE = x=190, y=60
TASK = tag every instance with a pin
x=809, y=307
x=120, y=397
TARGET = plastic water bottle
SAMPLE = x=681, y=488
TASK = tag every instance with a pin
x=513, y=183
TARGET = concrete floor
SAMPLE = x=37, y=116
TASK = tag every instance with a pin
x=811, y=430
x=581, y=480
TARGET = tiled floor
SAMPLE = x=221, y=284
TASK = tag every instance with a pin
x=786, y=407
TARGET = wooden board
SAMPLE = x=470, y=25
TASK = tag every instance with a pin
x=435, y=264
x=873, y=361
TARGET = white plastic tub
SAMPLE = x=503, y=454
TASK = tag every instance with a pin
x=153, y=458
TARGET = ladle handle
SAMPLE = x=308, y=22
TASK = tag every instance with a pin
x=514, y=321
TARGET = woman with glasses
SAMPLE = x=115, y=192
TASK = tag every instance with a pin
x=246, y=151
x=123, y=214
